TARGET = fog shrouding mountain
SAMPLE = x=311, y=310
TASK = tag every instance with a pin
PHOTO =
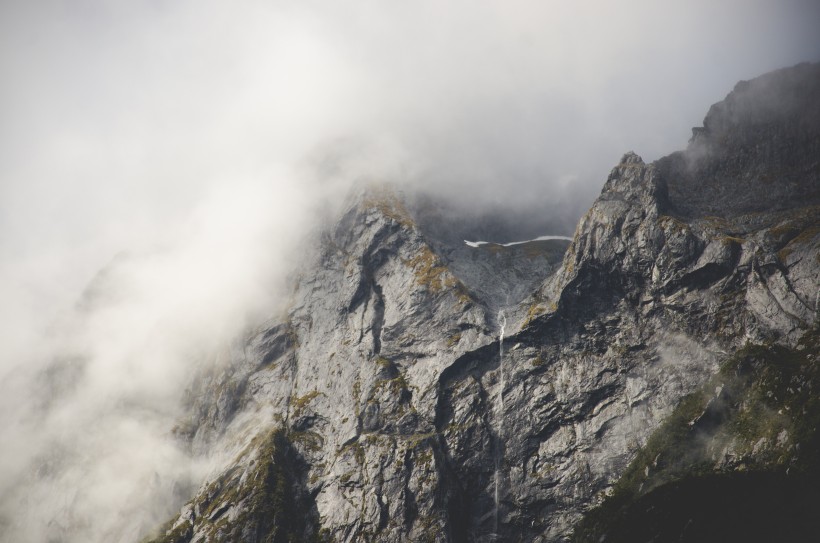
x=175, y=156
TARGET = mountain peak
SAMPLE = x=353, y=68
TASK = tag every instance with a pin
x=411, y=400
x=631, y=157
x=757, y=151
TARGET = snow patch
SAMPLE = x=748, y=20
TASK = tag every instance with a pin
x=539, y=238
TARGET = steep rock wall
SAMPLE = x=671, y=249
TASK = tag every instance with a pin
x=385, y=376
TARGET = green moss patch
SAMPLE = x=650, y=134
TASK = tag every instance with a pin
x=299, y=403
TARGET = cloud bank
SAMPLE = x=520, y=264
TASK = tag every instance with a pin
x=201, y=141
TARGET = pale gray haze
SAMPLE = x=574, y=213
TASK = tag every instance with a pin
x=201, y=141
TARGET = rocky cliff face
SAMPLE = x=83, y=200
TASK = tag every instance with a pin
x=407, y=396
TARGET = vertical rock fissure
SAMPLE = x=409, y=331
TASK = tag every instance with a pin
x=378, y=317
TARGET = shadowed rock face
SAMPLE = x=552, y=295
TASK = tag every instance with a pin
x=757, y=152
x=382, y=382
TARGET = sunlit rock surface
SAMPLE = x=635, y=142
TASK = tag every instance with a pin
x=369, y=411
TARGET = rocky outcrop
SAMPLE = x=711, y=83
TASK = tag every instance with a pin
x=757, y=152
x=402, y=415
x=735, y=461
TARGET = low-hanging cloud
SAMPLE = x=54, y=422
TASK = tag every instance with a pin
x=201, y=141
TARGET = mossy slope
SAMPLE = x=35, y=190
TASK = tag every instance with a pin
x=266, y=504
x=737, y=461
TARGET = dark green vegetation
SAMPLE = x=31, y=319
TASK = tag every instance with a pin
x=264, y=505
x=737, y=461
x=737, y=507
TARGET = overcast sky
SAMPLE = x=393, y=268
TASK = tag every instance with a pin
x=119, y=117
x=206, y=134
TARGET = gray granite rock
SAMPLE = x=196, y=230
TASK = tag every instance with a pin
x=404, y=420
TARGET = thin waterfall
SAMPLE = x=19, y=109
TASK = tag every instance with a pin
x=502, y=321
x=499, y=408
